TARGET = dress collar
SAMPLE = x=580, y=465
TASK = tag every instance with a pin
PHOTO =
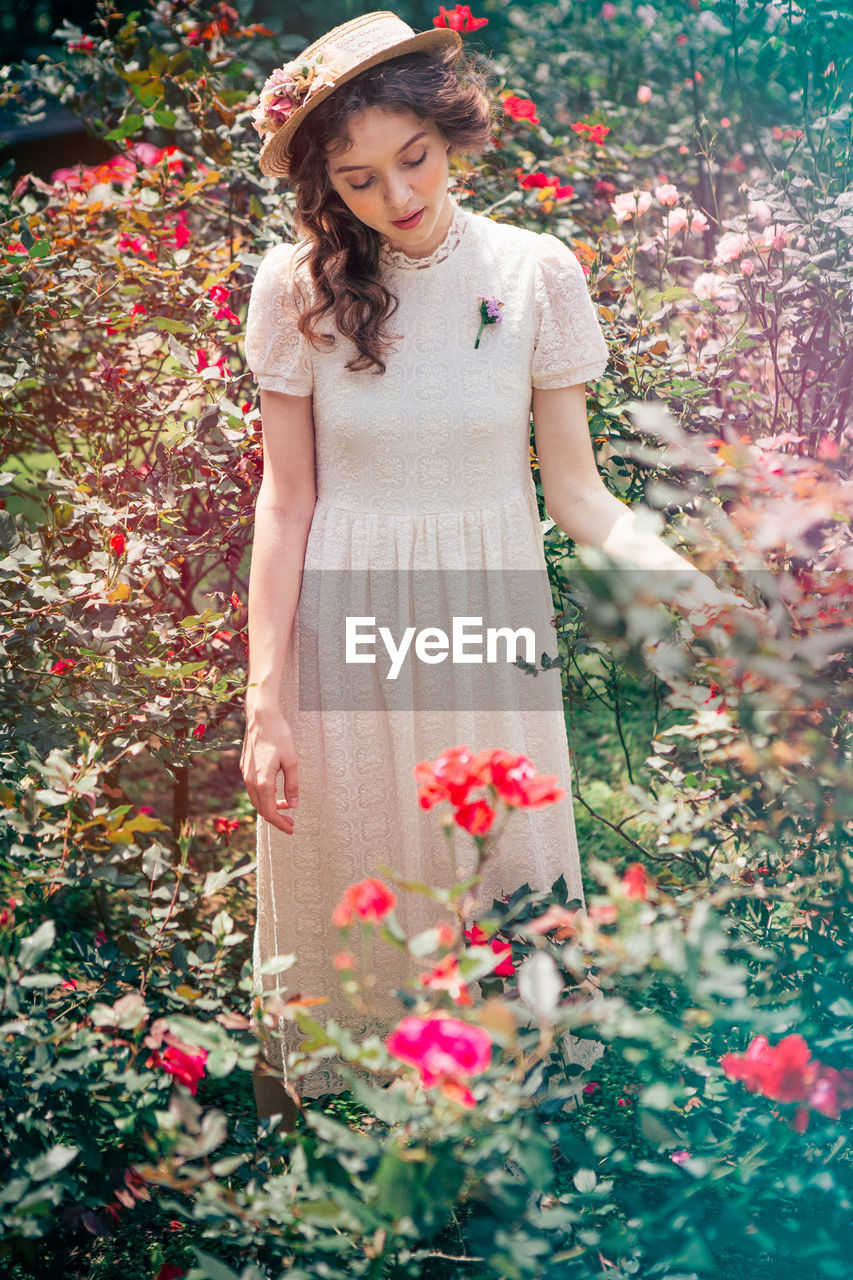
x=454, y=233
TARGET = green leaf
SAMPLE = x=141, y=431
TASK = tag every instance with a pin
x=539, y=983
x=50, y=1163
x=277, y=964
x=130, y=124
x=181, y=354
x=216, y=880
x=585, y=1180
x=170, y=325
x=34, y=947
x=205, y=1035
x=211, y=1269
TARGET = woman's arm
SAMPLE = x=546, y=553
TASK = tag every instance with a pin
x=578, y=501
x=283, y=514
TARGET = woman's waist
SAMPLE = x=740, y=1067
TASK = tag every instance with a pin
x=409, y=509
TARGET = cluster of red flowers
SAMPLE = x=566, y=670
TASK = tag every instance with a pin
x=787, y=1072
x=175, y=228
x=595, y=132
x=369, y=900
x=221, y=295
x=225, y=826
x=225, y=20
x=203, y=361
x=510, y=778
x=446, y=1052
x=121, y=169
x=477, y=937
x=530, y=181
x=458, y=19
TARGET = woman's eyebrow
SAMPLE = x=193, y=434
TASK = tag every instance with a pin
x=347, y=167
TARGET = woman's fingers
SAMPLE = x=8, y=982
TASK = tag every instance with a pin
x=267, y=752
x=291, y=781
x=266, y=804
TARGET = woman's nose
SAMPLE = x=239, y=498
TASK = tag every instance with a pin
x=397, y=194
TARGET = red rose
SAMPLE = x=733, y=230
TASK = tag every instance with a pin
x=199, y=731
x=636, y=881
x=520, y=108
x=784, y=1072
x=517, y=782
x=118, y=543
x=476, y=936
x=370, y=900
x=169, y=1271
x=448, y=777
x=62, y=665
x=225, y=826
x=186, y=1068
x=443, y=1049
x=532, y=180
x=476, y=818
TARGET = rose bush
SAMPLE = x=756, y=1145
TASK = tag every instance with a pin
x=711, y=753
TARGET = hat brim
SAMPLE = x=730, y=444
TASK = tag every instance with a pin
x=274, y=159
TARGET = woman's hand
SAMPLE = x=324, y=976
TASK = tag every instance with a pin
x=726, y=609
x=268, y=750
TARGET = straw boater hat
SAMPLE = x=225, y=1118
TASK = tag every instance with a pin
x=295, y=89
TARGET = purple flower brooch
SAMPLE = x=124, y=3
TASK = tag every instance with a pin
x=490, y=313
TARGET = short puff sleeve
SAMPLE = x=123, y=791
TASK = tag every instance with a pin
x=570, y=346
x=276, y=352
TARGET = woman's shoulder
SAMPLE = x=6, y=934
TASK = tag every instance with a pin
x=284, y=257
x=283, y=269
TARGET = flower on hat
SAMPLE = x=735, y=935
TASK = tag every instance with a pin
x=292, y=85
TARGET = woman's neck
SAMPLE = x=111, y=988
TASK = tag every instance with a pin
x=437, y=235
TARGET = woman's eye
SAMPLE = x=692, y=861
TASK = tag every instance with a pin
x=410, y=164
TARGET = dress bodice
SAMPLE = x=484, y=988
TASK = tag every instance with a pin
x=446, y=427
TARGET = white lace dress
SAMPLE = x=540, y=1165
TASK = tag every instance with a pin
x=423, y=478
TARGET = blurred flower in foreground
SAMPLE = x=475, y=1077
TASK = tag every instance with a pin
x=370, y=900
x=445, y=1051
x=786, y=1072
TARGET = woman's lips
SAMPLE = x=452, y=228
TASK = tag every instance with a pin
x=405, y=224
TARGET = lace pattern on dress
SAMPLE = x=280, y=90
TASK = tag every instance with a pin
x=570, y=347
x=453, y=236
x=276, y=352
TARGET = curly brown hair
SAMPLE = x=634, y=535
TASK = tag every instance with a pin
x=445, y=87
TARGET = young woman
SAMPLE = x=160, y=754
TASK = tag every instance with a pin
x=399, y=349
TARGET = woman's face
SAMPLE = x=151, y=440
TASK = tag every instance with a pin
x=396, y=166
